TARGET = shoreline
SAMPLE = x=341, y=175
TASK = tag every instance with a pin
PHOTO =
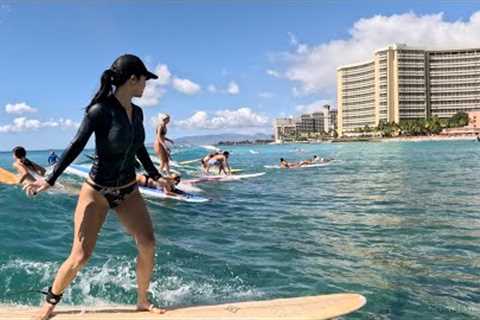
x=392, y=139
x=429, y=138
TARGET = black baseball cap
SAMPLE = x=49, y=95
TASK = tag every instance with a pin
x=129, y=64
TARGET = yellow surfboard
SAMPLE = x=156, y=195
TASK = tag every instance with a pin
x=302, y=308
x=7, y=177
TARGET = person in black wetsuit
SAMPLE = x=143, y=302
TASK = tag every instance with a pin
x=119, y=138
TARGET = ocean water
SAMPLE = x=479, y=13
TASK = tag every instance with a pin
x=397, y=222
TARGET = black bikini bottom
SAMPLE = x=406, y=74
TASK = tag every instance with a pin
x=114, y=196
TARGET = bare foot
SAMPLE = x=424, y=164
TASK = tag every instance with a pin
x=150, y=308
x=45, y=313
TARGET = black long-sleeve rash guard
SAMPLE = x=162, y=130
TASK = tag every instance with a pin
x=117, y=142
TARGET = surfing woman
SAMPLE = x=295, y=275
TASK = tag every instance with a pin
x=160, y=144
x=119, y=138
x=25, y=167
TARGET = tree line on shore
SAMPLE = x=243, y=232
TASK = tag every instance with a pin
x=417, y=127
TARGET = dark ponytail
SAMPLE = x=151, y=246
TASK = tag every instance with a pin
x=109, y=79
x=105, y=90
x=28, y=163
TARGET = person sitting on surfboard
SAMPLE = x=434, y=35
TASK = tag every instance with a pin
x=166, y=184
x=25, y=167
x=119, y=138
x=219, y=160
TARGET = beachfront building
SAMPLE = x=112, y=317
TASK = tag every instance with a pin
x=284, y=129
x=331, y=121
x=402, y=83
x=308, y=124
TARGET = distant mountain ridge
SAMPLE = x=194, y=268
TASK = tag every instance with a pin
x=216, y=138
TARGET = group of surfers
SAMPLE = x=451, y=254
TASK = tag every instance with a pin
x=28, y=171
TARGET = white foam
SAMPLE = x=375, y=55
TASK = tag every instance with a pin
x=93, y=285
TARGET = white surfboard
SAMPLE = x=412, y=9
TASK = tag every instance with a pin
x=224, y=178
x=313, y=165
x=82, y=171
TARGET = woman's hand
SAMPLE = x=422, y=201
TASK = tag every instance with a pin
x=36, y=187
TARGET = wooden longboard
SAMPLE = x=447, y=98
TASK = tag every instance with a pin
x=7, y=177
x=302, y=308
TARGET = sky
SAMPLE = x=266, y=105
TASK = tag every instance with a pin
x=223, y=66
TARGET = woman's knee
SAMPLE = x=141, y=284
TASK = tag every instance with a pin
x=79, y=258
x=146, y=241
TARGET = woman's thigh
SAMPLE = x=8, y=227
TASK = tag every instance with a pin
x=90, y=214
x=134, y=216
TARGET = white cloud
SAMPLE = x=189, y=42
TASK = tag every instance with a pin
x=155, y=88
x=211, y=88
x=151, y=95
x=273, y=73
x=233, y=88
x=23, y=124
x=293, y=39
x=224, y=119
x=19, y=108
x=314, y=67
x=186, y=86
x=315, y=106
x=163, y=74
x=266, y=95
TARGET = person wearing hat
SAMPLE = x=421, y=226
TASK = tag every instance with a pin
x=160, y=145
x=119, y=138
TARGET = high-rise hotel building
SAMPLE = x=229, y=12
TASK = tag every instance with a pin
x=403, y=83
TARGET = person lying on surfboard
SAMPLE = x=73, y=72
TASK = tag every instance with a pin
x=317, y=159
x=314, y=160
x=286, y=165
x=289, y=165
x=25, y=167
x=166, y=184
x=219, y=160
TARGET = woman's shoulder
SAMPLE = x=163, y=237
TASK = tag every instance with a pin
x=137, y=110
x=99, y=109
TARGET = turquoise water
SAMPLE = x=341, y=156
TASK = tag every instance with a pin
x=396, y=222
